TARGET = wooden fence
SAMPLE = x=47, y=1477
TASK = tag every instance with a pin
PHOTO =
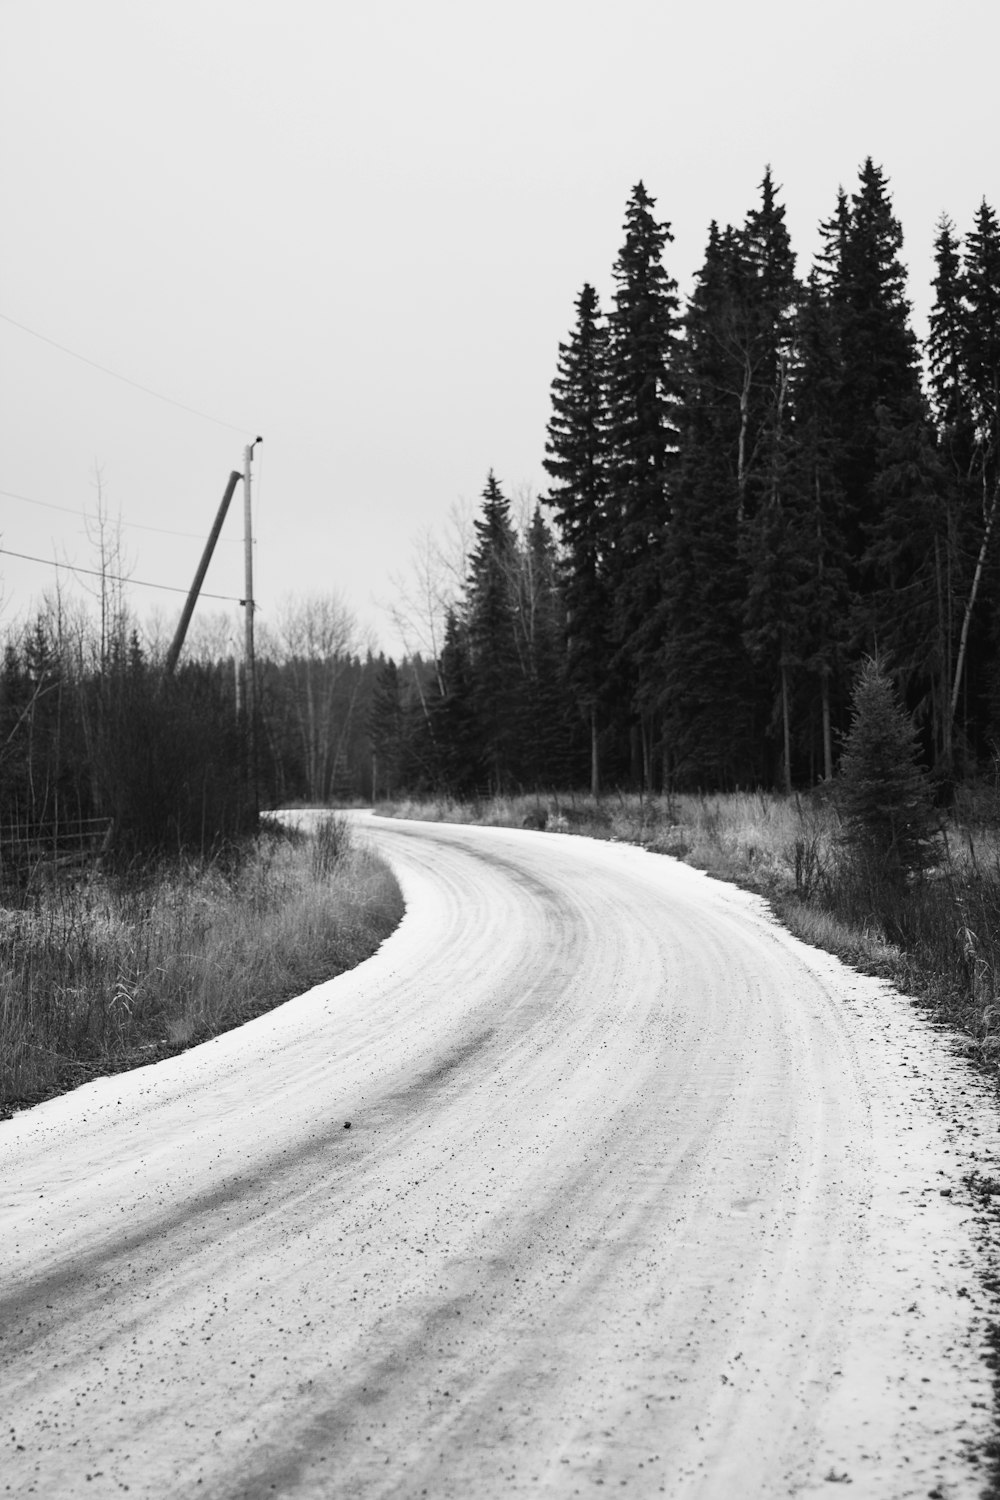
x=27, y=849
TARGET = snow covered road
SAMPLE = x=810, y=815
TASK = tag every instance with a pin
x=638, y=1192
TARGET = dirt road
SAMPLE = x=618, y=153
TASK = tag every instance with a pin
x=638, y=1193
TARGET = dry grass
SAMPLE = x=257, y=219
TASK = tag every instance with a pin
x=760, y=839
x=100, y=977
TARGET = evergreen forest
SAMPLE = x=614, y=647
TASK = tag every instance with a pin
x=749, y=496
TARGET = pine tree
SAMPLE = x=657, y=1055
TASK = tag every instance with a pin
x=541, y=608
x=964, y=360
x=496, y=669
x=835, y=233
x=726, y=589
x=461, y=767
x=762, y=337
x=884, y=794
x=951, y=411
x=642, y=442
x=41, y=731
x=982, y=336
x=769, y=522
x=16, y=703
x=386, y=730
x=821, y=599
x=980, y=637
x=907, y=552
x=946, y=347
x=577, y=464
x=865, y=283
x=703, y=665
x=930, y=544
x=778, y=553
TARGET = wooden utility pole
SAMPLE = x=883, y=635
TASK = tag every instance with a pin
x=249, y=691
x=199, y=577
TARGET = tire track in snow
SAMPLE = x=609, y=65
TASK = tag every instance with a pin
x=622, y=1202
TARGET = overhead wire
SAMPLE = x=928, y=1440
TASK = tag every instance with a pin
x=140, y=583
x=125, y=379
x=135, y=525
x=132, y=525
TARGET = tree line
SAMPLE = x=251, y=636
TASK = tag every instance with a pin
x=95, y=734
x=749, y=496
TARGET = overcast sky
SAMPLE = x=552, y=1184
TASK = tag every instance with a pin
x=359, y=229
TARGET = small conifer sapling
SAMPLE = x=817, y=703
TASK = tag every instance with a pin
x=885, y=795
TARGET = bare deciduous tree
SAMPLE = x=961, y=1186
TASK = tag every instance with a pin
x=420, y=603
x=312, y=641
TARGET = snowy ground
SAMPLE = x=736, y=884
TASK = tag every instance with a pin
x=638, y=1192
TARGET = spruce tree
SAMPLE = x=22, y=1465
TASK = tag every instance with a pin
x=703, y=667
x=865, y=282
x=779, y=554
x=17, y=694
x=726, y=589
x=951, y=414
x=982, y=336
x=823, y=594
x=930, y=547
x=946, y=347
x=964, y=361
x=497, y=671
x=461, y=764
x=762, y=339
x=42, y=730
x=386, y=730
x=769, y=521
x=642, y=442
x=884, y=795
x=834, y=232
x=907, y=560
x=980, y=631
x=544, y=752
x=577, y=464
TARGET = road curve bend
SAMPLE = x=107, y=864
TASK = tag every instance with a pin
x=591, y=1177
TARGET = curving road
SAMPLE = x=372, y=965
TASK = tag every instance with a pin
x=638, y=1193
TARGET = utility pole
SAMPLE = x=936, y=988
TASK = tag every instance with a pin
x=250, y=696
x=199, y=578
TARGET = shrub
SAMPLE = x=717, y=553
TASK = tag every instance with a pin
x=331, y=843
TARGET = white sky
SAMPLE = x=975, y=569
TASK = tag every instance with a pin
x=359, y=230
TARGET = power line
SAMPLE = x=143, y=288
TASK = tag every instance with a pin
x=139, y=583
x=125, y=379
x=132, y=525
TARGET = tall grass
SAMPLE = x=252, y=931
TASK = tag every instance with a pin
x=937, y=938
x=120, y=970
